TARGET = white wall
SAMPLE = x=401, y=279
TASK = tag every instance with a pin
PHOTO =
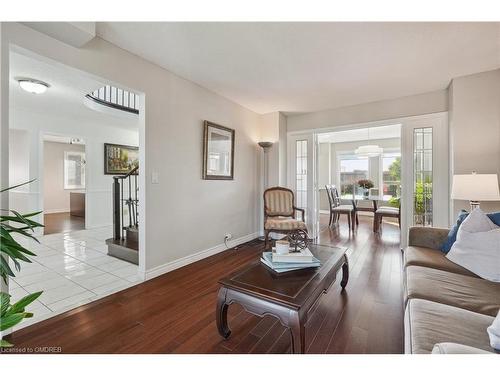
x=99, y=204
x=431, y=102
x=55, y=197
x=475, y=128
x=19, y=157
x=183, y=213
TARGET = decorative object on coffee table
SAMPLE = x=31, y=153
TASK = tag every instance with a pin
x=290, y=297
x=298, y=240
x=218, y=152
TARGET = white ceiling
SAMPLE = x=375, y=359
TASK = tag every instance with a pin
x=302, y=67
x=65, y=96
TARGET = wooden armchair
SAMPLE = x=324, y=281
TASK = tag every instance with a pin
x=280, y=212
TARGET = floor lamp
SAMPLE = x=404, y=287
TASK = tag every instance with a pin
x=266, y=146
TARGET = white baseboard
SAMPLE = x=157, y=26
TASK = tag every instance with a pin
x=178, y=263
x=56, y=211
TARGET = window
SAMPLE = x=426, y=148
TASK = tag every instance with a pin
x=301, y=178
x=391, y=174
x=422, y=179
x=74, y=170
x=352, y=170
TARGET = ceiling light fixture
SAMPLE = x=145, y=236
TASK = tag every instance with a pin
x=33, y=86
x=369, y=151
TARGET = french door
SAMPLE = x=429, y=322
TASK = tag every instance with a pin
x=425, y=173
x=301, y=174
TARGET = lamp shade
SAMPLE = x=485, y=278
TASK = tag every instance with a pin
x=475, y=187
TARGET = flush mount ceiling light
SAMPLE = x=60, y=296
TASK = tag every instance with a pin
x=369, y=151
x=33, y=86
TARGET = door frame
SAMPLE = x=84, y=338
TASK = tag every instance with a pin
x=442, y=166
x=312, y=171
x=41, y=170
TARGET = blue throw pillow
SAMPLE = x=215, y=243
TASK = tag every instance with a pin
x=495, y=217
x=452, y=235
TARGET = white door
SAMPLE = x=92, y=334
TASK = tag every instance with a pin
x=425, y=173
x=301, y=176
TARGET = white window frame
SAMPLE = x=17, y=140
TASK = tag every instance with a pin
x=346, y=155
x=65, y=172
x=387, y=151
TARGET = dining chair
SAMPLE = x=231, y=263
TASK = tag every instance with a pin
x=337, y=209
x=386, y=211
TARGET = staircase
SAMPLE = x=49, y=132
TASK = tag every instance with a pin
x=125, y=242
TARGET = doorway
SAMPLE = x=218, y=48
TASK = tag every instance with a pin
x=64, y=184
x=58, y=140
x=409, y=168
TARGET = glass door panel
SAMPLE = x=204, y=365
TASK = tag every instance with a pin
x=422, y=173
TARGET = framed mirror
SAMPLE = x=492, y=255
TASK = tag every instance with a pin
x=218, y=152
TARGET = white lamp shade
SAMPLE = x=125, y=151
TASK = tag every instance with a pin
x=475, y=187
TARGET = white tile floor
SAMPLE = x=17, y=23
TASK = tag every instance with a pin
x=71, y=269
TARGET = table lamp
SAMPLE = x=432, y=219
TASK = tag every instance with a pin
x=475, y=187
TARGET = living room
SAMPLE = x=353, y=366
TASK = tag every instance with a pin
x=292, y=147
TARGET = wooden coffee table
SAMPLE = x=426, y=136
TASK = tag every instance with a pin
x=291, y=297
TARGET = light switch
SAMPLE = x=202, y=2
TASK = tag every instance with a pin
x=154, y=178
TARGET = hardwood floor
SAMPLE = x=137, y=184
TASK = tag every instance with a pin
x=62, y=222
x=175, y=313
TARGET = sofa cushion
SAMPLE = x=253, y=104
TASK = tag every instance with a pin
x=477, y=247
x=462, y=215
x=452, y=348
x=428, y=323
x=469, y=293
x=425, y=257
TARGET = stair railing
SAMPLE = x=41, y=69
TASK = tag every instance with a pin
x=122, y=198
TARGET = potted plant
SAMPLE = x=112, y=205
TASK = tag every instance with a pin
x=366, y=185
x=13, y=222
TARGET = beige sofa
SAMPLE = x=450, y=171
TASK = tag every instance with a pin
x=445, y=304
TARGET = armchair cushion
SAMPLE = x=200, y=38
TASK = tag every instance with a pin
x=284, y=223
x=279, y=202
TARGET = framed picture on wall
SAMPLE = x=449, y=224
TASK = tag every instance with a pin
x=218, y=152
x=120, y=159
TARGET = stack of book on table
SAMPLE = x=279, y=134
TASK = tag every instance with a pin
x=289, y=262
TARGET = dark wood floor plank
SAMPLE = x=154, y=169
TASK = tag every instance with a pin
x=175, y=312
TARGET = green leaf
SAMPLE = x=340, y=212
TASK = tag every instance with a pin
x=5, y=344
x=18, y=218
x=21, y=231
x=4, y=233
x=19, y=306
x=14, y=253
x=4, y=302
x=15, y=186
x=5, y=268
x=11, y=321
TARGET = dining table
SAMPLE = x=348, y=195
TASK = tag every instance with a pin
x=374, y=199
